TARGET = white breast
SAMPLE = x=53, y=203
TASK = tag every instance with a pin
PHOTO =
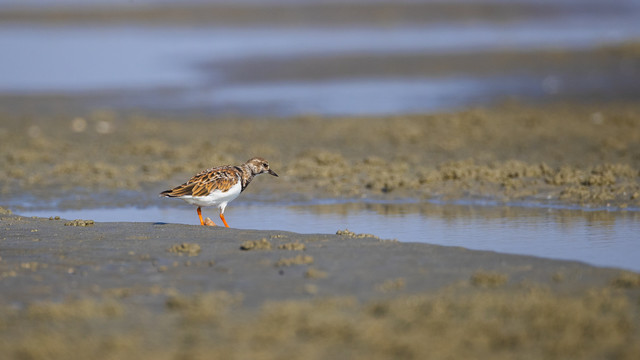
x=215, y=198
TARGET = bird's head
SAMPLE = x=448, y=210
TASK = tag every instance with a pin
x=259, y=166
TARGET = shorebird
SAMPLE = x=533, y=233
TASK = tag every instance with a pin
x=218, y=186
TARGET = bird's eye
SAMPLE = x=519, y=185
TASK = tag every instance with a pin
x=266, y=166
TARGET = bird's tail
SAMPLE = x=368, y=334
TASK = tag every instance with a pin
x=182, y=190
x=167, y=193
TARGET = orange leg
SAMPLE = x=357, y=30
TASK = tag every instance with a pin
x=200, y=216
x=223, y=220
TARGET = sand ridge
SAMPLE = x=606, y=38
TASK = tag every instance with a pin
x=584, y=154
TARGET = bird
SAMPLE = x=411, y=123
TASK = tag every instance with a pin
x=218, y=186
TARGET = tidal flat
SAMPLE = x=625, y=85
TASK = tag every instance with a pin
x=161, y=291
x=565, y=153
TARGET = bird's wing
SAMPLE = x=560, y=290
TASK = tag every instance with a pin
x=203, y=183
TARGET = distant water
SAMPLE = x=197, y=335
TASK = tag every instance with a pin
x=80, y=58
x=597, y=237
x=159, y=67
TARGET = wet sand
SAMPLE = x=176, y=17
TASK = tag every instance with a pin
x=144, y=290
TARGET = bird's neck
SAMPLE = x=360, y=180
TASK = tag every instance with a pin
x=246, y=175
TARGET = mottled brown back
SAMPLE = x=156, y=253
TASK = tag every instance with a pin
x=202, y=184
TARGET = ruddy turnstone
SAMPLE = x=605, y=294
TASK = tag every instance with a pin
x=218, y=186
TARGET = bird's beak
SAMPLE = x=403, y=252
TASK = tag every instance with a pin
x=272, y=173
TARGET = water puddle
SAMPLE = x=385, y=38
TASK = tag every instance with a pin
x=360, y=96
x=602, y=238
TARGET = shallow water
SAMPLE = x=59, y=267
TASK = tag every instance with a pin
x=360, y=96
x=598, y=237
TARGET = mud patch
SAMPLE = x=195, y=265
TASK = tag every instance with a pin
x=262, y=244
x=488, y=279
x=295, y=246
x=296, y=260
x=79, y=222
x=391, y=285
x=627, y=280
x=75, y=309
x=206, y=307
x=189, y=249
x=351, y=234
x=313, y=273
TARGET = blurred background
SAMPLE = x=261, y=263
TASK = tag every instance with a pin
x=326, y=57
